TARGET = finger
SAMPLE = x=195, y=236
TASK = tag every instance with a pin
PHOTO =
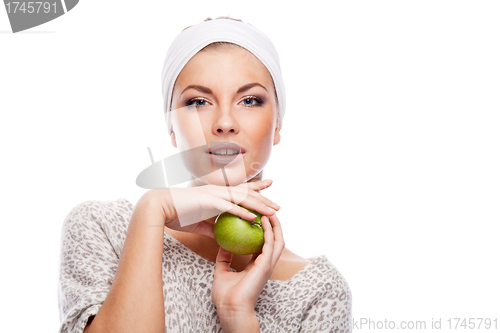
x=250, y=263
x=227, y=195
x=259, y=185
x=267, y=249
x=226, y=206
x=206, y=229
x=268, y=202
x=263, y=199
x=265, y=255
x=223, y=261
x=279, y=242
x=256, y=255
x=256, y=205
x=246, y=191
x=259, y=271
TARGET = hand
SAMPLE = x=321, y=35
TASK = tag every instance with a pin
x=193, y=205
x=236, y=293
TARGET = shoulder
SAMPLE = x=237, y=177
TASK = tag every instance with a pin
x=332, y=305
x=323, y=280
x=318, y=298
x=334, y=292
x=329, y=277
x=90, y=210
x=95, y=219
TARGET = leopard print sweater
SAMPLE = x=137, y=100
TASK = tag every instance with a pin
x=316, y=299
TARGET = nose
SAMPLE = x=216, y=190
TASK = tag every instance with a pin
x=225, y=123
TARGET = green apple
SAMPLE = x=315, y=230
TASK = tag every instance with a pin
x=237, y=235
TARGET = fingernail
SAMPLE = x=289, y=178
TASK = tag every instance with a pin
x=279, y=207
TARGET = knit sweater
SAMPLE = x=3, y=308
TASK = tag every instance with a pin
x=316, y=299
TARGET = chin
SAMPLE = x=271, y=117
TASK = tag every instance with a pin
x=217, y=178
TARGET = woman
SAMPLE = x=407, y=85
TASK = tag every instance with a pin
x=156, y=267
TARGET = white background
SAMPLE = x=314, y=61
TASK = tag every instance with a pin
x=388, y=162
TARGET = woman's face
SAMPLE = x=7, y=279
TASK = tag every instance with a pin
x=232, y=99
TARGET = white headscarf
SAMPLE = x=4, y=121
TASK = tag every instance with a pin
x=196, y=37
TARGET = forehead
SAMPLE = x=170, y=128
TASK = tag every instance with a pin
x=234, y=66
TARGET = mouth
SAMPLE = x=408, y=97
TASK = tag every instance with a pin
x=225, y=149
x=225, y=152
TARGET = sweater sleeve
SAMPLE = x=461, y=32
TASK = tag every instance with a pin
x=332, y=311
x=88, y=263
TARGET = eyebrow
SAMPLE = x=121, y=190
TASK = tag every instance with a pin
x=209, y=91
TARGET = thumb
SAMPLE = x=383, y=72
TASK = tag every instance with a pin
x=252, y=261
x=223, y=261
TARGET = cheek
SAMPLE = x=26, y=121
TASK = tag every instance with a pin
x=266, y=129
x=262, y=135
x=187, y=125
x=262, y=143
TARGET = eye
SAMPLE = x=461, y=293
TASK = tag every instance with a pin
x=197, y=102
x=252, y=101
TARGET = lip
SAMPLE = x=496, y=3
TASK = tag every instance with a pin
x=225, y=160
x=225, y=145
